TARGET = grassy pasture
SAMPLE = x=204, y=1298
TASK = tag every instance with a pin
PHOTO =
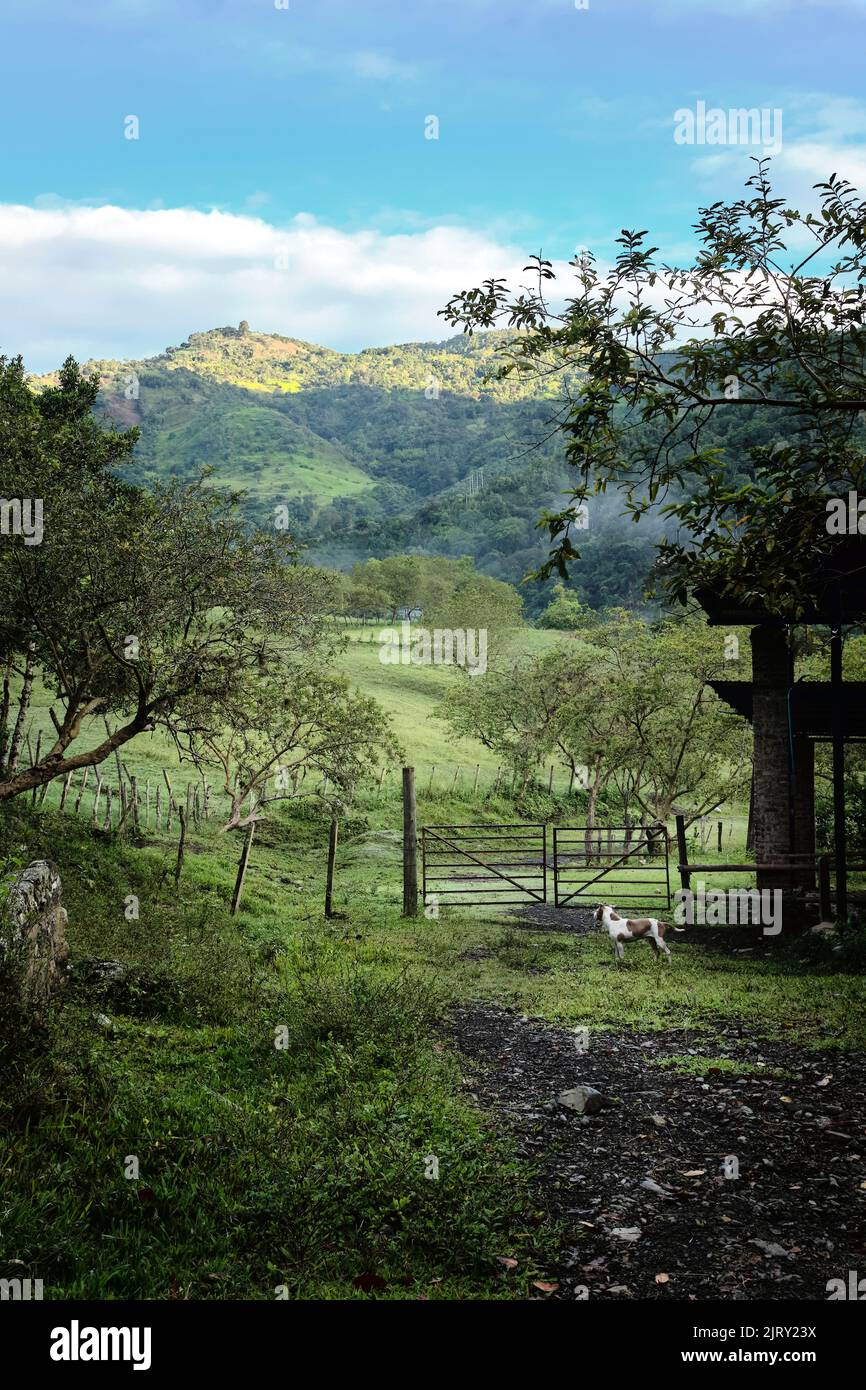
x=302, y=1167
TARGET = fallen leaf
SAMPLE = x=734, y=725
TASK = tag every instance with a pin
x=506, y=1261
x=544, y=1287
x=652, y=1186
x=663, y=1278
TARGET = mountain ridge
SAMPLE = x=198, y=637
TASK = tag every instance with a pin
x=409, y=447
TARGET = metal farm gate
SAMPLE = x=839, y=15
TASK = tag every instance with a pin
x=605, y=865
x=507, y=865
x=484, y=865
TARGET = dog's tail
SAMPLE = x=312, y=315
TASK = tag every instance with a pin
x=671, y=926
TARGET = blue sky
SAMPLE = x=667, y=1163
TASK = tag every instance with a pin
x=282, y=173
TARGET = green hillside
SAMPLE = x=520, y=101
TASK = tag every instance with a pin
x=414, y=447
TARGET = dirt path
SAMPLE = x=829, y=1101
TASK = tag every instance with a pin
x=793, y=1219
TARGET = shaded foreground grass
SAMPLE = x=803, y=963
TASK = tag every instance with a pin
x=245, y=1121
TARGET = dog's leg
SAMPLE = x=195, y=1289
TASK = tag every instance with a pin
x=619, y=949
x=661, y=946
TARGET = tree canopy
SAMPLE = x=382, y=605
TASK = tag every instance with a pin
x=768, y=323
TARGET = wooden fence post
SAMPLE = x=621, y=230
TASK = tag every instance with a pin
x=824, y=894
x=170, y=806
x=329, y=879
x=410, y=845
x=126, y=807
x=242, y=867
x=719, y=829
x=682, y=850
x=181, y=845
x=65, y=793
x=475, y=783
x=81, y=789
x=550, y=780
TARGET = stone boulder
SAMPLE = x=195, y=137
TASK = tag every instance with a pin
x=585, y=1100
x=33, y=949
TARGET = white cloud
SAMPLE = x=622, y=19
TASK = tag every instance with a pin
x=821, y=135
x=379, y=67
x=114, y=282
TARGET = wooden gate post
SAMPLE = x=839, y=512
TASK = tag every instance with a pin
x=683, y=852
x=410, y=845
x=242, y=867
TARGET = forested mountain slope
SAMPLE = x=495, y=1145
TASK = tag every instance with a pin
x=410, y=447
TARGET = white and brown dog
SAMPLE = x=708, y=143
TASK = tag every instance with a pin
x=623, y=929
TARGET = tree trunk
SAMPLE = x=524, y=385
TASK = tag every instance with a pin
x=590, y=818
x=23, y=707
x=5, y=702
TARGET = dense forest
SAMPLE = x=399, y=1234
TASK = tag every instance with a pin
x=415, y=448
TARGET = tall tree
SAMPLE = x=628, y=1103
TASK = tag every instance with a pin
x=767, y=325
x=146, y=607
